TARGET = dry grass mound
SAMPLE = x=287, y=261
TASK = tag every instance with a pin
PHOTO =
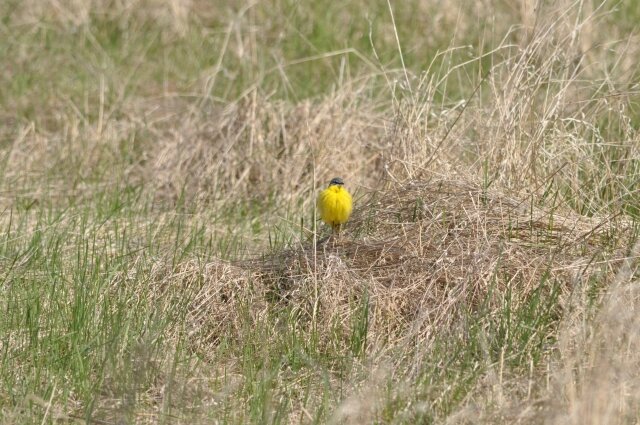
x=421, y=255
x=417, y=260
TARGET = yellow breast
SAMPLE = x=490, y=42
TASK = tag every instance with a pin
x=334, y=205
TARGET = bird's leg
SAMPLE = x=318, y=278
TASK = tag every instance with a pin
x=336, y=232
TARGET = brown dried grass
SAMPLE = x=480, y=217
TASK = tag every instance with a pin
x=423, y=255
x=426, y=251
x=428, y=243
x=253, y=146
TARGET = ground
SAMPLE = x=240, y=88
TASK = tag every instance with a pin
x=161, y=258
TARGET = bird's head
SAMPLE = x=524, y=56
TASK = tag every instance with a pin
x=336, y=181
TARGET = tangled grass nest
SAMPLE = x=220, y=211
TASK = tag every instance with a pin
x=418, y=256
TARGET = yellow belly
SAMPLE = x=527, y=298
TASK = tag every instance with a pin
x=334, y=205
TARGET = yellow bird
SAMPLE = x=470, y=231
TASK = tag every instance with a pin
x=335, y=204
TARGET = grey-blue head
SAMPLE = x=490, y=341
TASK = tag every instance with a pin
x=336, y=181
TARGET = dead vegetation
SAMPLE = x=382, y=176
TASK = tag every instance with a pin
x=421, y=258
x=250, y=148
x=489, y=273
x=429, y=248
